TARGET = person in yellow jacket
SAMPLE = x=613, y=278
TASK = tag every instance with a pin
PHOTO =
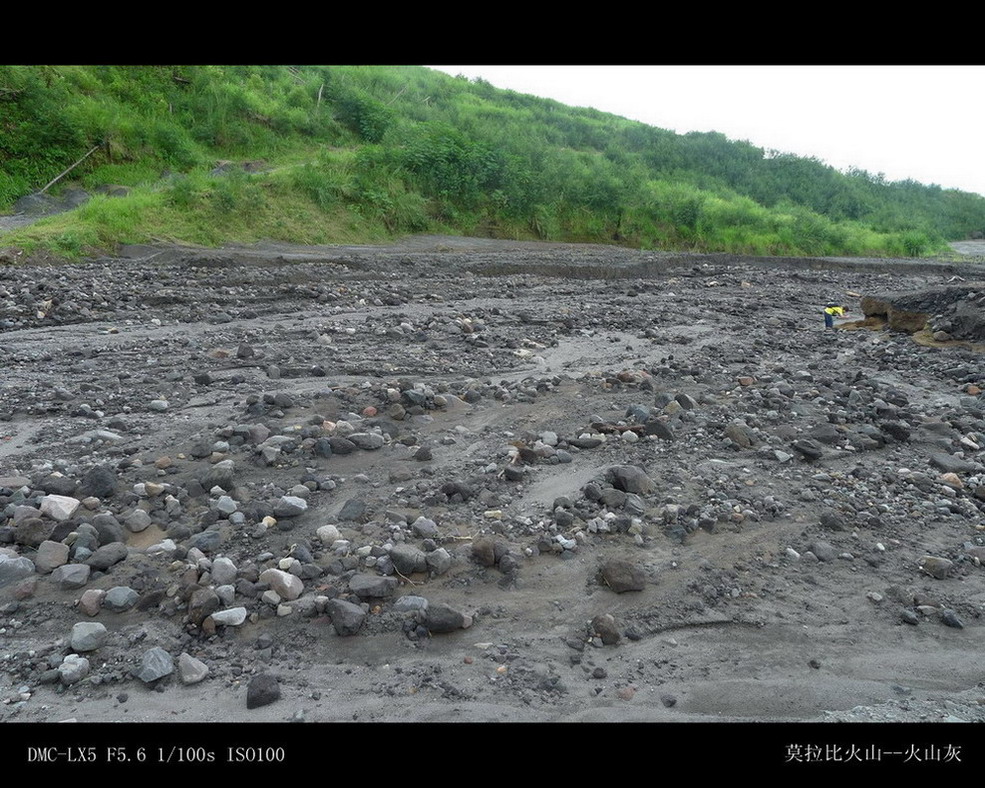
x=830, y=310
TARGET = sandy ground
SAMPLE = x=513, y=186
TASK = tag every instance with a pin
x=729, y=626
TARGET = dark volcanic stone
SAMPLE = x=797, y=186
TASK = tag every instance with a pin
x=203, y=603
x=460, y=489
x=622, y=576
x=107, y=555
x=372, y=586
x=353, y=509
x=896, y=429
x=441, y=618
x=263, y=690
x=341, y=445
x=605, y=626
x=32, y=531
x=346, y=617
x=808, y=449
x=408, y=559
x=59, y=485
x=631, y=479
x=484, y=551
x=100, y=482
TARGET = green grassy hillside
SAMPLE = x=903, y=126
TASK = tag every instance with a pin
x=361, y=154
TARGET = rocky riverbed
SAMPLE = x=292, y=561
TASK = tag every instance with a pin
x=458, y=479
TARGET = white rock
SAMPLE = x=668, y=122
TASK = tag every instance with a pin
x=287, y=585
x=231, y=617
x=59, y=507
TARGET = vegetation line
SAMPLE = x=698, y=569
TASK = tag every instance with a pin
x=210, y=155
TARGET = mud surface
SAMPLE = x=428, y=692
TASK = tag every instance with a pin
x=786, y=487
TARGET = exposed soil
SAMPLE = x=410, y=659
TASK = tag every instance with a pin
x=796, y=481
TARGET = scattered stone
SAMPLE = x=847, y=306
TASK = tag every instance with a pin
x=73, y=669
x=622, y=576
x=290, y=506
x=347, y=618
x=949, y=619
x=605, y=627
x=70, y=576
x=120, y=599
x=154, y=665
x=286, y=585
x=935, y=566
x=91, y=601
x=191, y=670
x=631, y=479
x=14, y=569
x=107, y=556
x=231, y=617
x=263, y=690
x=50, y=556
x=88, y=636
x=442, y=618
x=372, y=586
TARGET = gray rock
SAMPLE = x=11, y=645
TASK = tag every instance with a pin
x=191, y=670
x=120, y=598
x=202, y=603
x=262, y=691
x=622, y=576
x=107, y=556
x=369, y=441
x=73, y=669
x=290, y=506
x=807, y=448
x=32, y=531
x=408, y=559
x=824, y=551
x=605, y=627
x=353, y=510
x=108, y=528
x=206, y=541
x=410, y=604
x=14, y=569
x=950, y=464
x=631, y=479
x=341, y=445
x=660, y=429
x=740, y=434
x=71, y=575
x=425, y=528
x=372, y=586
x=441, y=618
x=100, y=482
x=88, y=636
x=155, y=664
x=51, y=555
x=949, y=619
x=935, y=566
x=138, y=520
x=347, y=617
x=220, y=475
x=439, y=561
x=223, y=571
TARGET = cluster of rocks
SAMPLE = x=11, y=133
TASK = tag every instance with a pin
x=174, y=517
